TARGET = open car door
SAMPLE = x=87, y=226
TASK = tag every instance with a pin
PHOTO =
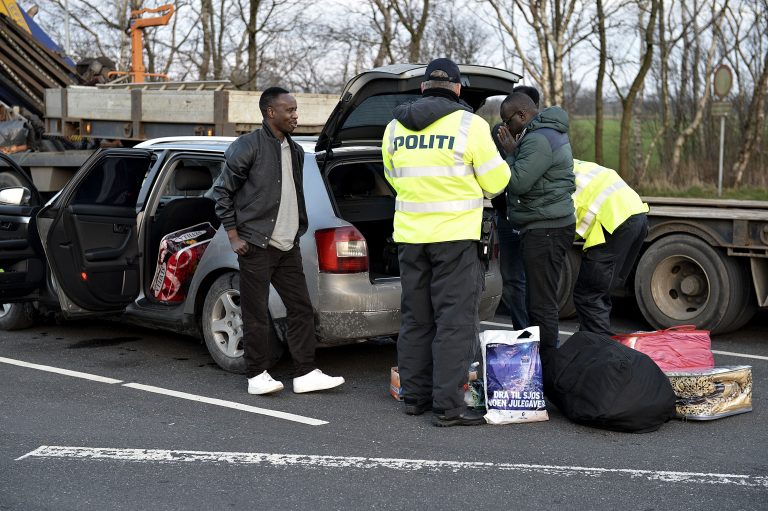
x=22, y=263
x=90, y=235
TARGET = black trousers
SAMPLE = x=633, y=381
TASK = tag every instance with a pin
x=441, y=286
x=544, y=252
x=284, y=270
x=606, y=267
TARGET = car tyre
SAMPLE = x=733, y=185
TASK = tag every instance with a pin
x=16, y=316
x=223, y=325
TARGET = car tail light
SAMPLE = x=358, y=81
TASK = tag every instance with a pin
x=341, y=250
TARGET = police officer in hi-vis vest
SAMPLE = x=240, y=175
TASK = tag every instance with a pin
x=440, y=159
x=611, y=218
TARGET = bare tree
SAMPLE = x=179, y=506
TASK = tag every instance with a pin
x=557, y=28
x=628, y=100
x=755, y=58
x=413, y=15
x=264, y=21
x=705, y=94
x=603, y=56
x=454, y=35
x=383, y=20
x=99, y=26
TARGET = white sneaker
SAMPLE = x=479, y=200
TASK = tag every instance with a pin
x=315, y=380
x=263, y=384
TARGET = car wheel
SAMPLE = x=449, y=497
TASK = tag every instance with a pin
x=223, y=325
x=16, y=316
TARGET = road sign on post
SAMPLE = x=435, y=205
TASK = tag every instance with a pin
x=721, y=108
x=722, y=82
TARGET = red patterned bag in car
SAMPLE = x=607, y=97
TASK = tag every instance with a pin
x=674, y=349
x=180, y=251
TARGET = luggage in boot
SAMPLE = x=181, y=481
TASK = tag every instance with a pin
x=598, y=382
x=708, y=394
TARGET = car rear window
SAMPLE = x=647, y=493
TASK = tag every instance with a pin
x=376, y=110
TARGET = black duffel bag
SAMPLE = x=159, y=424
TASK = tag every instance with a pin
x=596, y=381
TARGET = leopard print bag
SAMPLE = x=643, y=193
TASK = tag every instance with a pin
x=707, y=394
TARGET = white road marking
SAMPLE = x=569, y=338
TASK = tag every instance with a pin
x=364, y=463
x=228, y=404
x=66, y=372
x=510, y=326
x=744, y=355
x=565, y=332
x=173, y=393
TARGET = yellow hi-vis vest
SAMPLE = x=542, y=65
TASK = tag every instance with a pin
x=603, y=201
x=440, y=175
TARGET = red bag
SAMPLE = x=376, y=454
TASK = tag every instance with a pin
x=175, y=275
x=673, y=349
x=177, y=259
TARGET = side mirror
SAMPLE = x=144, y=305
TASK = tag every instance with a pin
x=16, y=196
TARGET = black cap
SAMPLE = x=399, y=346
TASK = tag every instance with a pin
x=447, y=66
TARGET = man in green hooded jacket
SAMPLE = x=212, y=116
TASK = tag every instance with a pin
x=539, y=201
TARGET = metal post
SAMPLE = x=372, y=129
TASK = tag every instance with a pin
x=720, y=166
x=66, y=27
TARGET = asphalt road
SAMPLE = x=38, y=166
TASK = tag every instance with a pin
x=149, y=433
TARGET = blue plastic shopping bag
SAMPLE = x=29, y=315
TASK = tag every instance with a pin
x=514, y=389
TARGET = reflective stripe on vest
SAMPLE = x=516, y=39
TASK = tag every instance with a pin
x=456, y=171
x=391, y=145
x=461, y=139
x=594, y=207
x=438, y=207
x=489, y=165
x=460, y=169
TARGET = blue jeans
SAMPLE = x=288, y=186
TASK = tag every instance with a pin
x=513, y=294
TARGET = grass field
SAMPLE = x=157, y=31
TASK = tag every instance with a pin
x=583, y=140
x=583, y=144
x=701, y=185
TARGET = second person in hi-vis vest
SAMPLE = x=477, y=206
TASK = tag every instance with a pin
x=611, y=218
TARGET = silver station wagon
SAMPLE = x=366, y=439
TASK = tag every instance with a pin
x=94, y=249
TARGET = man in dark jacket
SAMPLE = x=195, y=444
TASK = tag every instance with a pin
x=539, y=201
x=513, y=293
x=260, y=201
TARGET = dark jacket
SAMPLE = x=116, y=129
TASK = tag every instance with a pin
x=248, y=190
x=539, y=191
x=433, y=105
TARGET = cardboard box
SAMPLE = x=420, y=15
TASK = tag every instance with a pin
x=394, y=384
x=397, y=392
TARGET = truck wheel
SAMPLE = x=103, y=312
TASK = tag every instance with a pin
x=16, y=316
x=745, y=305
x=680, y=280
x=567, y=283
x=223, y=325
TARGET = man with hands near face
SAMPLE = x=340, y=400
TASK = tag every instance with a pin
x=539, y=201
x=260, y=201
